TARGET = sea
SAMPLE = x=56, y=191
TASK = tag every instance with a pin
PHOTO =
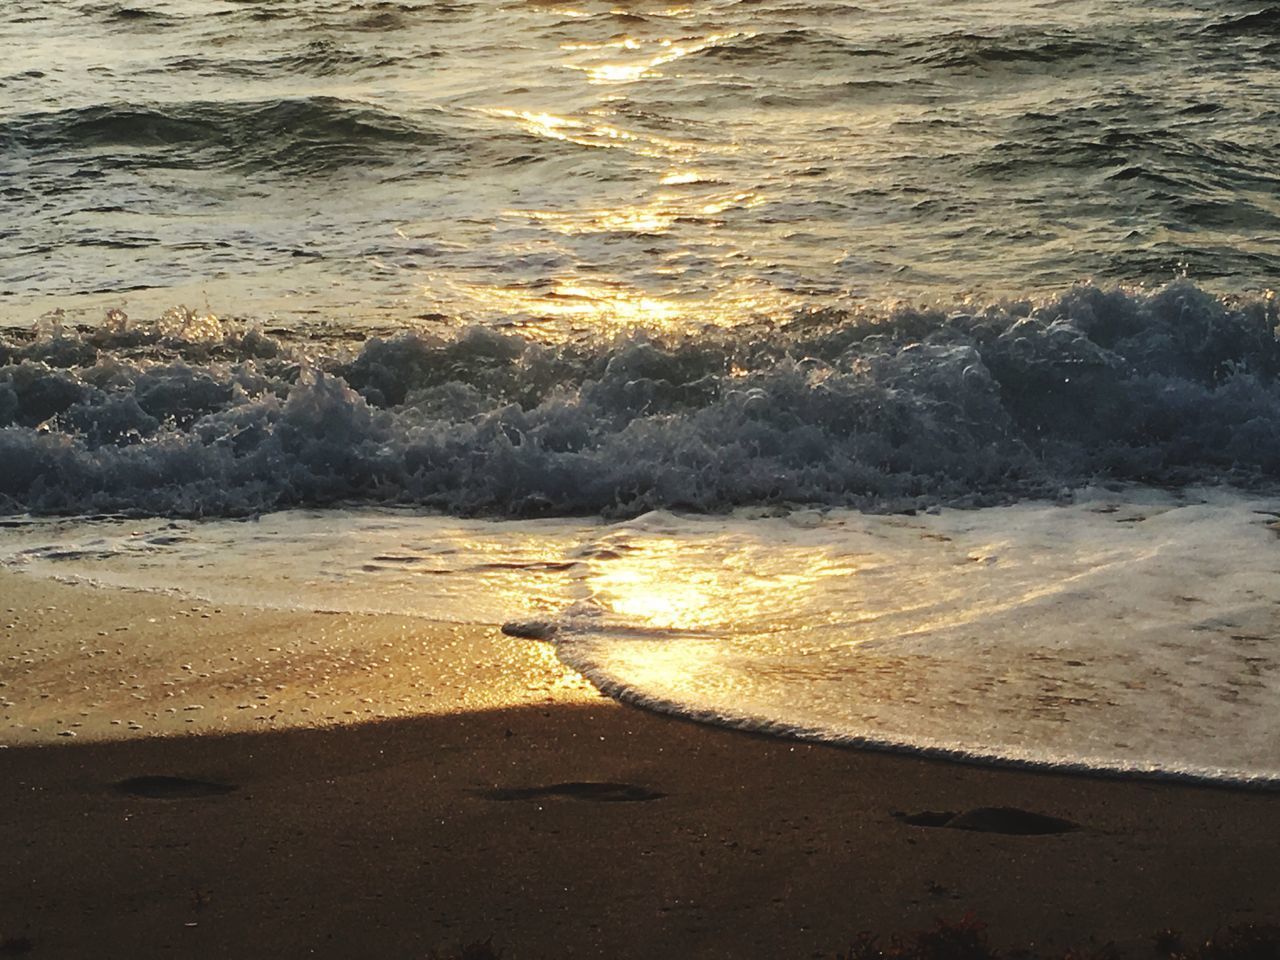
x=896, y=374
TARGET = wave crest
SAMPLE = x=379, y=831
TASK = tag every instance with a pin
x=886, y=410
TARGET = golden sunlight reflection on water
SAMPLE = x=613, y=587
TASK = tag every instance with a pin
x=589, y=132
x=1042, y=634
x=888, y=583
x=661, y=583
x=653, y=216
x=687, y=185
x=592, y=304
x=654, y=55
x=606, y=307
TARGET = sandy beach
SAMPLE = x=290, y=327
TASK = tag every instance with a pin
x=183, y=779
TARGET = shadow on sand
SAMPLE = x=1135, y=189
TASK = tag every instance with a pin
x=392, y=838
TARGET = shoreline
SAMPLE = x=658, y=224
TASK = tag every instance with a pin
x=506, y=799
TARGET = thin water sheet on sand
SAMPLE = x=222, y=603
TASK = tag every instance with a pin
x=1128, y=632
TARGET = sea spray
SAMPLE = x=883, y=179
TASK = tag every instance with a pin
x=899, y=409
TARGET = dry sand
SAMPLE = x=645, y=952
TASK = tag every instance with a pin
x=351, y=786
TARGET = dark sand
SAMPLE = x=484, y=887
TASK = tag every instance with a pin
x=390, y=837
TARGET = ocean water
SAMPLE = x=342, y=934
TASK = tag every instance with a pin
x=901, y=374
x=580, y=165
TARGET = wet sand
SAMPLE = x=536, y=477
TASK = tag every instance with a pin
x=299, y=784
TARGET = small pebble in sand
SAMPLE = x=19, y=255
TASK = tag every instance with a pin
x=66, y=733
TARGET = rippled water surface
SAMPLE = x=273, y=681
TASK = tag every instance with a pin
x=599, y=163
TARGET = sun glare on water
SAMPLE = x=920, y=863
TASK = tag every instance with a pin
x=658, y=53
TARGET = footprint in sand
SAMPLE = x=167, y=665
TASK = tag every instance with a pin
x=1007, y=820
x=578, y=790
x=171, y=788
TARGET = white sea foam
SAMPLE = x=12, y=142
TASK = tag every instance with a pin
x=1131, y=632
x=877, y=410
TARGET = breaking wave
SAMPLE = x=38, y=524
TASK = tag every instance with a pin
x=899, y=409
